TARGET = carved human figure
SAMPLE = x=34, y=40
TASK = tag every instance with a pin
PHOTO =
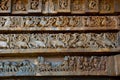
x=19, y=5
x=4, y=5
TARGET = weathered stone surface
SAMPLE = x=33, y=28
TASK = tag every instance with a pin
x=117, y=65
x=70, y=65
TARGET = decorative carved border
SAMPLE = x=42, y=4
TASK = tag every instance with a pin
x=59, y=23
x=70, y=65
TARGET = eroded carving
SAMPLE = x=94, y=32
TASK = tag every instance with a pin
x=77, y=64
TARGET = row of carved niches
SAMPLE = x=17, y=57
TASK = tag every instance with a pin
x=55, y=6
x=59, y=22
x=68, y=65
x=58, y=42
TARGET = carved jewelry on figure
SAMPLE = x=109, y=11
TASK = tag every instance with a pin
x=5, y=6
x=35, y=6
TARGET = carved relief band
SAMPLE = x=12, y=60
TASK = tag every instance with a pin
x=69, y=65
x=62, y=6
x=58, y=42
x=59, y=22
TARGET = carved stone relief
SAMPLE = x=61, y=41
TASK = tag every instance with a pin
x=58, y=22
x=78, y=6
x=107, y=6
x=49, y=6
x=64, y=5
x=20, y=6
x=81, y=65
x=35, y=6
x=5, y=6
x=59, y=40
x=92, y=5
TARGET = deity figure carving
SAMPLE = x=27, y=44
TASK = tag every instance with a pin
x=35, y=6
x=93, y=6
x=63, y=5
x=20, y=6
x=78, y=6
x=5, y=6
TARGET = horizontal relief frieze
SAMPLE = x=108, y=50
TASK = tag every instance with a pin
x=69, y=65
x=56, y=6
x=59, y=40
x=58, y=22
